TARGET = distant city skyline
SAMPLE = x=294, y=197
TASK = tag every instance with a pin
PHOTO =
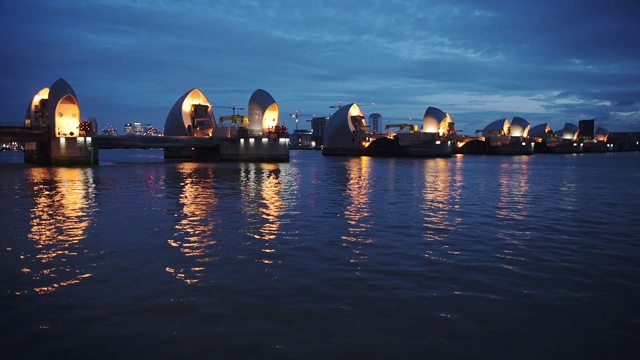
x=130, y=61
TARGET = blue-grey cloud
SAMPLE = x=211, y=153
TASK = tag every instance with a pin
x=130, y=60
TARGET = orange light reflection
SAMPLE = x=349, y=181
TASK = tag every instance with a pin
x=63, y=210
x=514, y=184
x=194, y=232
x=442, y=192
x=357, y=212
x=358, y=191
x=263, y=205
x=513, y=207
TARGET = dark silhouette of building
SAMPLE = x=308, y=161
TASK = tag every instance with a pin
x=317, y=126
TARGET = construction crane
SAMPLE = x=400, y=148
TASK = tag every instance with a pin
x=340, y=105
x=410, y=127
x=234, y=107
x=295, y=115
x=243, y=120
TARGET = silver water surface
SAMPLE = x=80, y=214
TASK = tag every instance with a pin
x=322, y=257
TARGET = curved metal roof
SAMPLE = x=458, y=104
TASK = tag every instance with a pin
x=601, y=134
x=29, y=115
x=179, y=116
x=569, y=131
x=540, y=129
x=340, y=133
x=264, y=112
x=61, y=90
x=519, y=127
x=497, y=127
x=432, y=119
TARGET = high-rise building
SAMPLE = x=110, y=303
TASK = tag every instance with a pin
x=375, y=120
x=586, y=128
x=128, y=129
x=137, y=128
x=317, y=126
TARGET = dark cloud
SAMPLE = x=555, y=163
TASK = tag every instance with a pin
x=129, y=61
x=626, y=103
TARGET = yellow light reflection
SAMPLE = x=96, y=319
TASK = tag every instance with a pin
x=194, y=232
x=63, y=211
x=357, y=212
x=263, y=204
x=513, y=206
x=514, y=184
x=358, y=192
x=441, y=193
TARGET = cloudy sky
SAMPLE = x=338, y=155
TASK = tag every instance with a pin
x=130, y=60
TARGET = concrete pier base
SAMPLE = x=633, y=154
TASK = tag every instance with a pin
x=62, y=152
x=255, y=149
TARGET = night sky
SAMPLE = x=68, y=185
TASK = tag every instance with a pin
x=129, y=61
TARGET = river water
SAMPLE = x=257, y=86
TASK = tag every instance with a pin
x=502, y=257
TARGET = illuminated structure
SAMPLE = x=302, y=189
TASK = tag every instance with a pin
x=601, y=134
x=128, y=129
x=264, y=113
x=563, y=141
x=258, y=137
x=541, y=131
x=504, y=137
x=375, y=119
x=568, y=132
x=263, y=138
x=347, y=133
x=519, y=127
x=496, y=128
x=37, y=114
x=302, y=139
x=191, y=115
x=56, y=111
x=437, y=121
x=433, y=140
x=599, y=142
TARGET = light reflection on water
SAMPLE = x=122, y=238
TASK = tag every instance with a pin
x=441, y=191
x=263, y=207
x=263, y=200
x=60, y=219
x=259, y=259
x=195, y=231
x=514, y=184
x=512, y=209
x=358, y=191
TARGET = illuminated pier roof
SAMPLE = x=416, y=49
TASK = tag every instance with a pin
x=64, y=111
x=540, y=130
x=601, y=134
x=436, y=121
x=498, y=127
x=191, y=115
x=519, y=127
x=569, y=132
x=264, y=113
x=341, y=131
x=56, y=107
x=37, y=113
